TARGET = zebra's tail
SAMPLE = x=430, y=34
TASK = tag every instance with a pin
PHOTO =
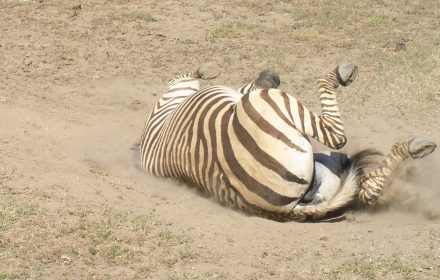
x=354, y=169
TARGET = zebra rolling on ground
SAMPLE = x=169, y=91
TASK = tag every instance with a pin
x=250, y=148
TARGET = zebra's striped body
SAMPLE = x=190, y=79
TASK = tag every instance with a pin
x=249, y=148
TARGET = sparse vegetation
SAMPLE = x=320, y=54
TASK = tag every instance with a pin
x=143, y=224
x=91, y=240
x=114, y=251
x=378, y=20
x=14, y=275
x=12, y=211
x=377, y=268
x=196, y=276
x=139, y=15
x=228, y=30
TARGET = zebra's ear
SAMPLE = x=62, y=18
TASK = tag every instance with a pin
x=346, y=73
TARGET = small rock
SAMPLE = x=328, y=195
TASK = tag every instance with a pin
x=401, y=46
x=136, y=105
x=66, y=259
x=75, y=9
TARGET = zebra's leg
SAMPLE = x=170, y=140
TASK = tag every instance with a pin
x=373, y=183
x=326, y=128
x=329, y=123
x=265, y=80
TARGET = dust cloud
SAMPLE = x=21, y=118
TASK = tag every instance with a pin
x=119, y=157
x=415, y=188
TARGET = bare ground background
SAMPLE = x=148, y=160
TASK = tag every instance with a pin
x=76, y=85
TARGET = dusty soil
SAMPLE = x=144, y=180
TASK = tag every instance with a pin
x=76, y=85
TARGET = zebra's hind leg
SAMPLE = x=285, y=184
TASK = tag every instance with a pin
x=372, y=184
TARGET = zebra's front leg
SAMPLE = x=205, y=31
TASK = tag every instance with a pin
x=266, y=79
x=327, y=128
x=373, y=183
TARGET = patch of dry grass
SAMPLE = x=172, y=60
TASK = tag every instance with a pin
x=195, y=276
x=12, y=212
x=138, y=15
x=228, y=30
x=15, y=274
x=380, y=268
x=84, y=237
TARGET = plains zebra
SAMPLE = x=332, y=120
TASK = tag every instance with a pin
x=250, y=148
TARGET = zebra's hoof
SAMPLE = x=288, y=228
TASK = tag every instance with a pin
x=419, y=147
x=346, y=74
x=208, y=71
x=267, y=79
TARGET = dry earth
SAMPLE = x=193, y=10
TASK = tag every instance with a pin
x=76, y=85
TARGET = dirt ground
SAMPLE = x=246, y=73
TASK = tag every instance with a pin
x=78, y=78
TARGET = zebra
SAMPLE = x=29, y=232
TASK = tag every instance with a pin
x=250, y=148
